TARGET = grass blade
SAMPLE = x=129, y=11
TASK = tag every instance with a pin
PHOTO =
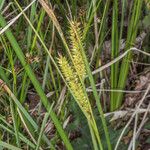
x=132, y=32
x=114, y=53
x=8, y=146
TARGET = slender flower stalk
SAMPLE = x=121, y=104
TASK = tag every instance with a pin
x=79, y=41
x=78, y=92
x=74, y=73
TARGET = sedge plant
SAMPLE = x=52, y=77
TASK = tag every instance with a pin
x=72, y=69
x=87, y=66
x=74, y=73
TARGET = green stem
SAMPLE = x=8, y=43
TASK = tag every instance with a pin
x=97, y=98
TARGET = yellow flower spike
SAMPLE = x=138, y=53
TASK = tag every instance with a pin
x=76, y=52
x=74, y=85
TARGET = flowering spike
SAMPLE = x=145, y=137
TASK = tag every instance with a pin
x=75, y=49
x=74, y=84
